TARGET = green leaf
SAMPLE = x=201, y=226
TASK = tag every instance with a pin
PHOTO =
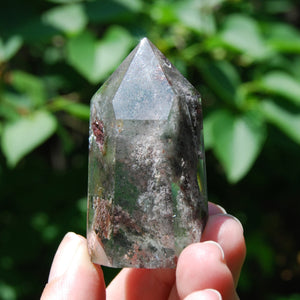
x=208, y=132
x=283, y=37
x=163, y=13
x=288, y=122
x=12, y=105
x=295, y=68
x=237, y=141
x=36, y=32
x=282, y=84
x=30, y=85
x=70, y=18
x=79, y=110
x=94, y=59
x=223, y=78
x=208, y=128
x=24, y=135
x=197, y=15
x=10, y=48
x=7, y=292
x=242, y=33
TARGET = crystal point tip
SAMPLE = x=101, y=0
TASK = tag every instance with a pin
x=144, y=40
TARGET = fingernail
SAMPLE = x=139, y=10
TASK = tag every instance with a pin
x=218, y=245
x=64, y=255
x=206, y=294
x=222, y=208
x=236, y=219
x=215, y=292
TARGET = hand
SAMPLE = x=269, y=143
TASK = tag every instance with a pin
x=207, y=270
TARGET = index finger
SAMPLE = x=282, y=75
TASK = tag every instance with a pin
x=227, y=231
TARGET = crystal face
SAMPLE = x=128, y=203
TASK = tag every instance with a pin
x=146, y=187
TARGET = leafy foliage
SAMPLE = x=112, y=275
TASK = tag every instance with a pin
x=16, y=140
x=244, y=58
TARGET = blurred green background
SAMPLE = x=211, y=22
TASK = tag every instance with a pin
x=243, y=56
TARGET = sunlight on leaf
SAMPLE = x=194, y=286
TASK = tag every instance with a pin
x=237, y=142
x=288, y=122
x=283, y=37
x=96, y=59
x=242, y=33
x=208, y=129
x=197, y=15
x=282, y=84
x=24, y=135
x=10, y=48
x=70, y=19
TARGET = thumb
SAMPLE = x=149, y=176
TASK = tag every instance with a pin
x=72, y=274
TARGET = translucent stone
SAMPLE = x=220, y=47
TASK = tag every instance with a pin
x=146, y=191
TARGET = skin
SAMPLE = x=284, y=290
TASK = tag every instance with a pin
x=206, y=270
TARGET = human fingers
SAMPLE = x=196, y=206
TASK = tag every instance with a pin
x=73, y=275
x=227, y=231
x=146, y=284
x=135, y=284
x=202, y=266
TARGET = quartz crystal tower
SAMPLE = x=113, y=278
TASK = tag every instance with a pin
x=146, y=190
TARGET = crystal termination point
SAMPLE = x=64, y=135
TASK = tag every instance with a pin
x=146, y=187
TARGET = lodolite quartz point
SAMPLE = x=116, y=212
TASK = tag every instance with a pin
x=147, y=184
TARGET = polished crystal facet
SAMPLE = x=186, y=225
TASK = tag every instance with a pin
x=147, y=191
